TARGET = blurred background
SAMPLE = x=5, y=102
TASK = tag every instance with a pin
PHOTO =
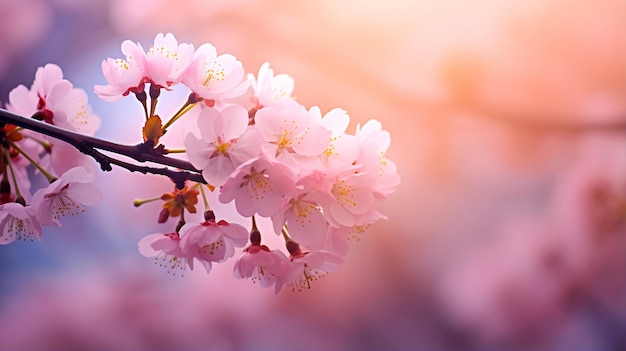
x=508, y=231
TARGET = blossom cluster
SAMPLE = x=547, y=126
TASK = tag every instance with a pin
x=23, y=211
x=273, y=158
x=268, y=157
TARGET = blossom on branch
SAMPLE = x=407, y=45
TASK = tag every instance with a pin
x=54, y=100
x=258, y=187
x=214, y=77
x=290, y=137
x=225, y=143
x=166, y=61
x=269, y=89
x=18, y=222
x=343, y=149
x=374, y=144
x=306, y=267
x=302, y=213
x=272, y=158
x=260, y=264
x=66, y=196
x=124, y=75
x=166, y=250
x=211, y=241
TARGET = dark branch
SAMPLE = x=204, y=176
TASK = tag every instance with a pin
x=178, y=177
x=90, y=146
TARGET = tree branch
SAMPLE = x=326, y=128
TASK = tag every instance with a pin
x=90, y=146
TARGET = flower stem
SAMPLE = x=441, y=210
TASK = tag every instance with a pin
x=139, y=202
x=184, y=109
x=46, y=145
x=142, y=97
x=174, y=151
x=154, y=98
x=13, y=178
x=181, y=222
x=188, y=105
x=285, y=233
x=48, y=176
x=204, y=199
x=254, y=223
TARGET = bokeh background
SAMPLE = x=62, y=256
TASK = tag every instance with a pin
x=508, y=125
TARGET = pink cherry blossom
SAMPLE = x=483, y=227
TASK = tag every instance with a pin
x=215, y=77
x=211, y=241
x=166, y=250
x=306, y=267
x=18, y=222
x=167, y=61
x=23, y=101
x=307, y=224
x=56, y=101
x=343, y=149
x=374, y=144
x=350, y=199
x=258, y=187
x=338, y=237
x=63, y=157
x=310, y=180
x=270, y=89
x=224, y=143
x=66, y=196
x=45, y=79
x=123, y=75
x=79, y=116
x=302, y=214
x=258, y=262
x=289, y=136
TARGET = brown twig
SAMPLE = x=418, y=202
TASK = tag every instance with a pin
x=90, y=146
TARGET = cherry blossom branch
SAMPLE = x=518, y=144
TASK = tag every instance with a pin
x=90, y=145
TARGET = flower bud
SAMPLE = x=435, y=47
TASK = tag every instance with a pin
x=20, y=200
x=5, y=187
x=164, y=215
x=193, y=98
x=293, y=247
x=255, y=237
x=154, y=92
x=209, y=216
x=141, y=96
